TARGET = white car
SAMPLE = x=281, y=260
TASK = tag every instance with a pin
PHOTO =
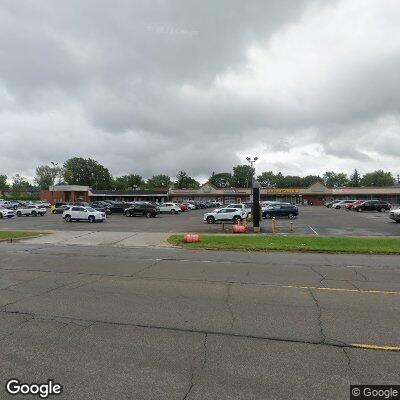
x=33, y=210
x=9, y=204
x=171, y=208
x=6, y=213
x=190, y=205
x=78, y=213
x=241, y=206
x=43, y=203
x=395, y=215
x=225, y=215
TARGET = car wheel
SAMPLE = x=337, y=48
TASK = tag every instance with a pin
x=148, y=214
x=19, y=214
x=92, y=219
x=359, y=209
x=42, y=214
x=176, y=212
x=236, y=219
x=54, y=211
x=211, y=219
x=172, y=212
x=68, y=218
x=267, y=216
x=290, y=216
x=382, y=210
x=34, y=213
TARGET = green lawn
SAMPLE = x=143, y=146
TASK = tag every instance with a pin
x=329, y=244
x=5, y=235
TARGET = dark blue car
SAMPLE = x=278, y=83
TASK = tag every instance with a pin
x=283, y=210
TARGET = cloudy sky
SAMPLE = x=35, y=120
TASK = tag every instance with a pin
x=162, y=85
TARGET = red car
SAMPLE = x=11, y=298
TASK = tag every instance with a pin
x=350, y=206
x=184, y=207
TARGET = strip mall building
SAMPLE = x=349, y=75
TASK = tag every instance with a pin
x=316, y=194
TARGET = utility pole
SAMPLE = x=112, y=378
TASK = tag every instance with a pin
x=53, y=178
x=255, y=190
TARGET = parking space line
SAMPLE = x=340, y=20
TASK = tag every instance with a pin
x=315, y=232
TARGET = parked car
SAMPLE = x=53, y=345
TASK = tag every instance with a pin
x=189, y=205
x=10, y=204
x=171, y=208
x=372, y=205
x=284, y=210
x=225, y=214
x=32, y=210
x=77, y=213
x=146, y=209
x=100, y=207
x=342, y=203
x=43, y=203
x=60, y=209
x=350, y=206
x=328, y=204
x=6, y=213
x=241, y=206
x=274, y=204
x=395, y=215
x=116, y=208
x=184, y=207
x=216, y=204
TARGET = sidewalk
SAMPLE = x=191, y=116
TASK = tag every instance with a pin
x=92, y=238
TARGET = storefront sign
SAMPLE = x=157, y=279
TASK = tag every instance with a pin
x=282, y=190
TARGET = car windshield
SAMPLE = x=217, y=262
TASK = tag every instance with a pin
x=90, y=209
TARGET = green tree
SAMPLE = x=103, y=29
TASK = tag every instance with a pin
x=309, y=180
x=222, y=179
x=292, y=181
x=127, y=182
x=46, y=175
x=19, y=186
x=88, y=172
x=3, y=184
x=378, y=178
x=267, y=179
x=334, y=180
x=159, y=181
x=242, y=176
x=183, y=181
x=355, y=179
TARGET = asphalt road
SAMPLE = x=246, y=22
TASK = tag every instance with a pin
x=312, y=220
x=159, y=323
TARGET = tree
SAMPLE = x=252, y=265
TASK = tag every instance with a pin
x=309, y=180
x=3, y=184
x=335, y=180
x=88, y=172
x=378, y=178
x=126, y=182
x=292, y=181
x=46, y=175
x=267, y=179
x=19, y=186
x=183, y=181
x=242, y=176
x=355, y=179
x=159, y=181
x=220, y=180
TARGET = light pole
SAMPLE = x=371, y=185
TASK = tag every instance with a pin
x=53, y=178
x=255, y=197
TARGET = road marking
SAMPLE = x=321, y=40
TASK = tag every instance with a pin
x=374, y=347
x=315, y=232
x=329, y=289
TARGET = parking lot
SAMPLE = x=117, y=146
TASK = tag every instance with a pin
x=311, y=221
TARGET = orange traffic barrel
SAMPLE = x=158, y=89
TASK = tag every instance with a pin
x=239, y=229
x=191, y=237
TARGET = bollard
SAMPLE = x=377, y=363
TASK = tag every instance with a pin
x=290, y=226
x=191, y=238
x=274, y=227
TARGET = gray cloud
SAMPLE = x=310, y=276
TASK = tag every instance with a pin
x=154, y=86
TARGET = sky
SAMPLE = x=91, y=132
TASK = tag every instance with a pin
x=157, y=86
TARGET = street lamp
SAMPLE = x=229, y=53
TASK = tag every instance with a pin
x=255, y=197
x=251, y=162
x=53, y=178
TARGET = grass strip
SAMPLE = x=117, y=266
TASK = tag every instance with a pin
x=6, y=235
x=321, y=244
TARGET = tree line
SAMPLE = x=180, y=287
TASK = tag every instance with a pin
x=89, y=172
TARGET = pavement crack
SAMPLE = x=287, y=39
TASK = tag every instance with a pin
x=319, y=316
x=357, y=379
x=228, y=302
x=323, y=277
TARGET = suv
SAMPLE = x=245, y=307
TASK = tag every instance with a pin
x=78, y=213
x=283, y=210
x=171, y=208
x=6, y=213
x=226, y=215
x=145, y=209
x=372, y=205
x=33, y=210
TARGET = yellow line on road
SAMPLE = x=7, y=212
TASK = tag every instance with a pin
x=374, y=347
x=329, y=289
